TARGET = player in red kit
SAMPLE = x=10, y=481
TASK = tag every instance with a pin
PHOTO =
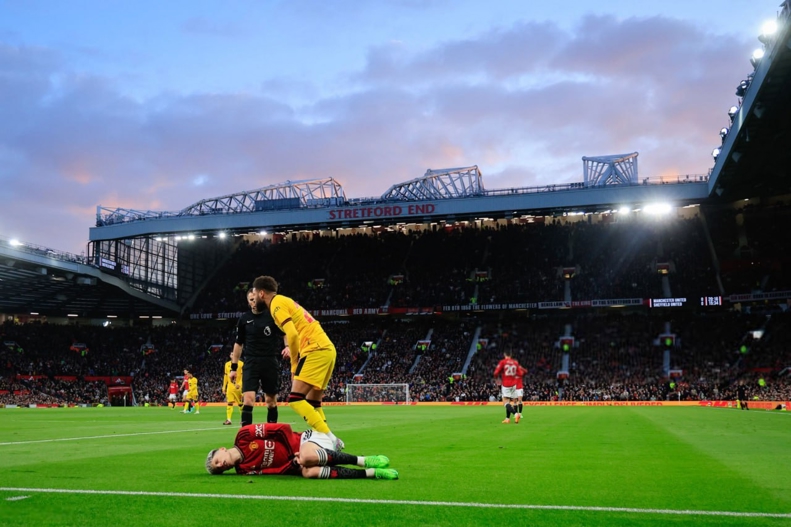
x=274, y=448
x=520, y=392
x=173, y=394
x=506, y=373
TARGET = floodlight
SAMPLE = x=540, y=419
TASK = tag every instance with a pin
x=741, y=89
x=716, y=152
x=723, y=133
x=624, y=210
x=14, y=243
x=732, y=111
x=222, y=235
x=768, y=31
x=658, y=208
x=758, y=54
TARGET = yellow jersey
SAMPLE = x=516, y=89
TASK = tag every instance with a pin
x=226, y=381
x=193, y=388
x=311, y=334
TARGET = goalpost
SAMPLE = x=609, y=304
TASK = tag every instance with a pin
x=377, y=393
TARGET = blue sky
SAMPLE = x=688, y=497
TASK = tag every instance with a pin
x=156, y=105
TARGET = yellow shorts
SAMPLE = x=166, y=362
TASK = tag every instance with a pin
x=316, y=367
x=192, y=396
x=233, y=395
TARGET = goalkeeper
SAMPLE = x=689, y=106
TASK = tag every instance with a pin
x=274, y=448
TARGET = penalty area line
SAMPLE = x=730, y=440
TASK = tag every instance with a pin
x=108, y=436
x=626, y=510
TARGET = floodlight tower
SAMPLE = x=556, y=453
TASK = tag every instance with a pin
x=619, y=169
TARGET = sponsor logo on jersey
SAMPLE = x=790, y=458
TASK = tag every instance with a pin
x=269, y=453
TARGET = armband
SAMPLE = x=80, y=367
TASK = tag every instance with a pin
x=234, y=366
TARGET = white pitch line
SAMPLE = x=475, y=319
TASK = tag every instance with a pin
x=108, y=436
x=628, y=510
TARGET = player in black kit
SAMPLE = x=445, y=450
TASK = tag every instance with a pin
x=262, y=342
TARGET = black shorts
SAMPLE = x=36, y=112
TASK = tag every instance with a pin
x=263, y=373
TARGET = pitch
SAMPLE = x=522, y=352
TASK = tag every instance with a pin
x=458, y=466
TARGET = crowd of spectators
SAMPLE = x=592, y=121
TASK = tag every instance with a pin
x=751, y=246
x=613, y=256
x=704, y=252
x=617, y=356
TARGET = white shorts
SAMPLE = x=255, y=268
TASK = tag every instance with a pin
x=184, y=395
x=319, y=438
x=173, y=397
x=520, y=392
x=509, y=392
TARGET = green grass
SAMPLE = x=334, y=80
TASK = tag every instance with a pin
x=456, y=464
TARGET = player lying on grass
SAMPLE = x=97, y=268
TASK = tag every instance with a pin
x=274, y=448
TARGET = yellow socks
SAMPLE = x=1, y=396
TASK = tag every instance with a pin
x=311, y=416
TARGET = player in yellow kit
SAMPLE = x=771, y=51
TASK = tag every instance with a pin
x=232, y=389
x=311, y=351
x=192, y=393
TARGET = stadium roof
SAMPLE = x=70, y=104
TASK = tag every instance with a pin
x=50, y=283
x=753, y=160
x=755, y=155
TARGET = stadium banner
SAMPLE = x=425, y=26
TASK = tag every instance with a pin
x=610, y=302
x=764, y=405
x=383, y=211
x=440, y=309
x=749, y=297
x=487, y=307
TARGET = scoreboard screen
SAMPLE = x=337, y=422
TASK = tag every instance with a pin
x=711, y=301
x=667, y=302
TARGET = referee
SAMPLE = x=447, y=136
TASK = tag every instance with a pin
x=262, y=342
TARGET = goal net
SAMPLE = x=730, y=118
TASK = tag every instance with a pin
x=377, y=393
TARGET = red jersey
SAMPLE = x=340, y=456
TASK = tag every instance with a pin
x=185, y=384
x=508, y=369
x=519, y=374
x=174, y=387
x=268, y=449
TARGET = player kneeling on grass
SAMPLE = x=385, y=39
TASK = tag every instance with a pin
x=274, y=448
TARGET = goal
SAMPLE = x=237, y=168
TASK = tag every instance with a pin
x=377, y=393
